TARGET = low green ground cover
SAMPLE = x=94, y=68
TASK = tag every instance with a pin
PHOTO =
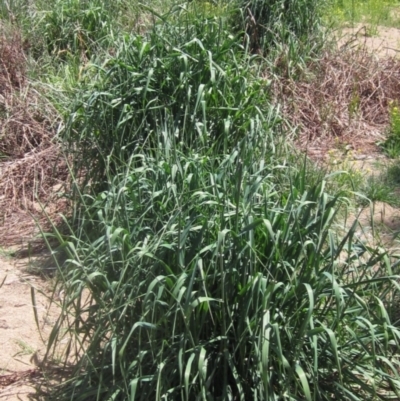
x=373, y=12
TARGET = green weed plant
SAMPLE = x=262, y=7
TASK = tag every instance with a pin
x=345, y=176
x=392, y=143
x=372, y=12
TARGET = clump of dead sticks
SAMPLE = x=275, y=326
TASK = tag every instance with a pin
x=32, y=170
x=344, y=98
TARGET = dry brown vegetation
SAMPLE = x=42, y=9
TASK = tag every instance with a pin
x=31, y=167
x=345, y=100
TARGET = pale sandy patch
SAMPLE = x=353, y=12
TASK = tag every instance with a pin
x=22, y=345
x=382, y=41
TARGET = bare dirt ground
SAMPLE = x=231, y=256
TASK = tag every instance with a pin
x=382, y=41
x=21, y=344
x=379, y=225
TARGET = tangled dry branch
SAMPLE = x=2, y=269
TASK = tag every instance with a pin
x=345, y=100
x=31, y=167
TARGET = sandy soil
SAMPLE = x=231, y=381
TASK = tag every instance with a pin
x=21, y=345
x=379, y=226
x=383, y=41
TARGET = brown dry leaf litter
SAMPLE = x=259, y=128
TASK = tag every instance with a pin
x=31, y=166
x=346, y=102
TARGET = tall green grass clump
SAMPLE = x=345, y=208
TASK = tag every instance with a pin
x=12, y=10
x=76, y=27
x=289, y=33
x=200, y=264
x=268, y=19
x=72, y=29
x=193, y=76
x=207, y=277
